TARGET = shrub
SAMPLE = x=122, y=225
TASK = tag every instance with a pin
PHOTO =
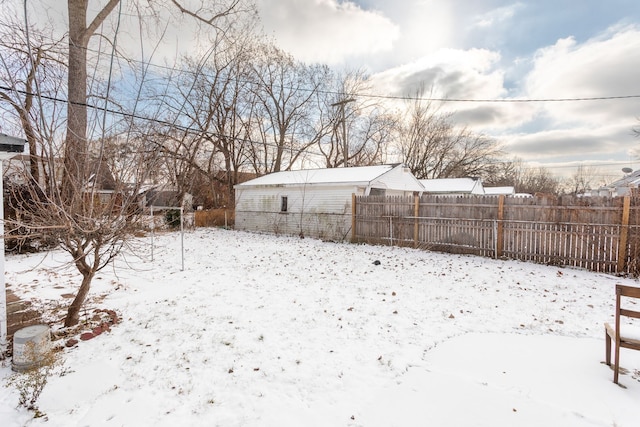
x=31, y=382
x=172, y=218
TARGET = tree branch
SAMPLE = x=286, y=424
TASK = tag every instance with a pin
x=100, y=17
x=198, y=14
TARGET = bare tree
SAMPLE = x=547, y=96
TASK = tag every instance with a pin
x=470, y=154
x=433, y=147
x=364, y=122
x=95, y=232
x=504, y=173
x=31, y=67
x=370, y=137
x=91, y=226
x=75, y=147
x=212, y=98
x=284, y=105
x=538, y=180
x=524, y=179
x=582, y=180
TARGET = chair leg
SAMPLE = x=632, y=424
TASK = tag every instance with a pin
x=616, y=363
x=607, y=340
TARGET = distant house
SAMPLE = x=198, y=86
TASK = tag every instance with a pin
x=315, y=202
x=101, y=184
x=498, y=191
x=160, y=196
x=452, y=186
x=619, y=188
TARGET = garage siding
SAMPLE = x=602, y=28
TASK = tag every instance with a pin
x=312, y=210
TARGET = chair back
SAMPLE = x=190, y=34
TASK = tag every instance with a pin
x=628, y=292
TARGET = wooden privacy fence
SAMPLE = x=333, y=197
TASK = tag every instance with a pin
x=214, y=218
x=599, y=234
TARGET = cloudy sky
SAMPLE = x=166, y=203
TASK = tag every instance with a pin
x=498, y=50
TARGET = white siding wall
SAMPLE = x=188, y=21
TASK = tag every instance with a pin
x=314, y=210
x=398, y=182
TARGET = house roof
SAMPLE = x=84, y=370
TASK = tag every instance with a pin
x=352, y=175
x=631, y=180
x=452, y=185
x=499, y=190
x=101, y=174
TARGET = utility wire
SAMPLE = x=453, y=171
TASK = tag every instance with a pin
x=171, y=125
x=201, y=72
x=194, y=131
x=501, y=100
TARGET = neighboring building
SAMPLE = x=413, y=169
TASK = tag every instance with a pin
x=315, y=202
x=620, y=188
x=497, y=191
x=102, y=184
x=452, y=186
x=162, y=196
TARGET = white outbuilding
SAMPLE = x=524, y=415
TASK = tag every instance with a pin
x=315, y=202
x=499, y=191
x=452, y=186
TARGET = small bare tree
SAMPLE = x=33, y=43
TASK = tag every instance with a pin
x=284, y=105
x=211, y=97
x=86, y=209
x=32, y=65
x=525, y=179
x=583, y=179
x=432, y=146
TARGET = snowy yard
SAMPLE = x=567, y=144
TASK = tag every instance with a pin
x=277, y=331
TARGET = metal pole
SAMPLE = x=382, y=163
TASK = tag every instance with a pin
x=345, y=144
x=3, y=292
x=152, y=227
x=182, y=235
x=344, y=138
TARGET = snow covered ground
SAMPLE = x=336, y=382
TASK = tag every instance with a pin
x=278, y=331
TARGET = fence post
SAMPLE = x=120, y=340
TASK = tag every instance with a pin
x=500, y=228
x=495, y=238
x=416, y=213
x=353, y=217
x=624, y=233
x=153, y=226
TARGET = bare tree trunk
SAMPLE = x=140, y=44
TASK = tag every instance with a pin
x=73, y=313
x=75, y=159
x=76, y=137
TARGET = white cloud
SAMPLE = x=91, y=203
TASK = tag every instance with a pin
x=327, y=30
x=603, y=66
x=553, y=143
x=496, y=16
x=591, y=131
x=543, y=132
x=452, y=73
x=455, y=74
x=607, y=146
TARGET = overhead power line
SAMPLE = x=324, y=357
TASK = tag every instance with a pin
x=209, y=133
x=500, y=100
x=393, y=97
x=171, y=125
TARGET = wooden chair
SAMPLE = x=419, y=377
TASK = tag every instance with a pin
x=621, y=335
